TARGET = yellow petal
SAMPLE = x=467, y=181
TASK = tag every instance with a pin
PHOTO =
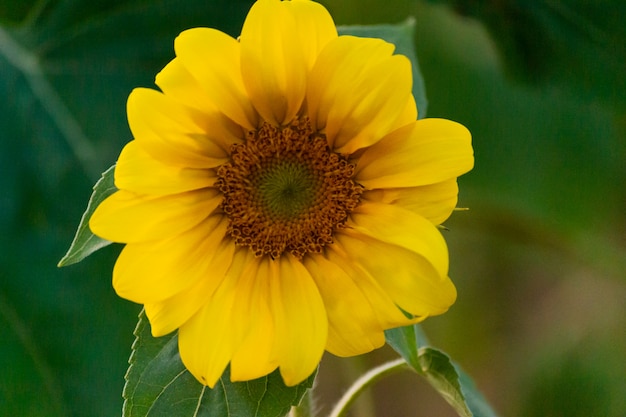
x=177, y=83
x=427, y=152
x=139, y=172
x=208, y=340
x=386, y=310
x=279, y=44
x=434, y=202
x=213, y=59
x=205, y=341
x=299, y=317
x=407, y=277
x=358, y=92
x=403, y=228
x=255, y=356
x=126, y=217
x=149, y=272
x=409, y=114
x=168, y=315
x=175, y=134
x=353, y=326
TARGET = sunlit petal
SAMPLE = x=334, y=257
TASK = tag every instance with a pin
x=208, y=340
x=396, y=226
x=300, y=319
x=129, y=218
x=213, y=59
x=407, y=277
x=187, y=257
x=434, y=202
x=387, y=312
x=169, y=314
x=133, y=164
x=277, y=57
x=256, y=355
x=356, y=91
x=353, y=324
x=175, y=134
x=426, y=152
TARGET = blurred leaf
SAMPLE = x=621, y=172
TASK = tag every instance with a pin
x=401, y=35
x=159, y=385
x=583, y=379
x=454, y=385
x=85, y=243
x=20, y=353
x=14, y=11
x=571, y=42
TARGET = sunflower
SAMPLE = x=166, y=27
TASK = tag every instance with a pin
x=280, y=197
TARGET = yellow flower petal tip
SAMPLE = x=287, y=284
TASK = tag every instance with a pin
x=280, y=198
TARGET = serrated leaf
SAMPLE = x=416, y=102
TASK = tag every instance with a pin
x=85, y=242
x=454, y=385
x=157, y=384
x=402, y=36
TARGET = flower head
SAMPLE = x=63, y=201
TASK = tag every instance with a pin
x=280, y=198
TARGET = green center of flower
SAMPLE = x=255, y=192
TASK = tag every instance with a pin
x=285, y=190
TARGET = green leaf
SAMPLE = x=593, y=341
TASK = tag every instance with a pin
x=406, y=340
x=157, y=384
x=401, y=35
x=442, y=375
x=452, y=383
x=85, y=242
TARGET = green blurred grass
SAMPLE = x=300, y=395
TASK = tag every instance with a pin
x=539, y=259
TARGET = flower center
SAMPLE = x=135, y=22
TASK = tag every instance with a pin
x=285, y=190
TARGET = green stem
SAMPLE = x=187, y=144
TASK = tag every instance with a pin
x=364, y=382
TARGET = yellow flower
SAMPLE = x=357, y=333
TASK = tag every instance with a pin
x=279, y=197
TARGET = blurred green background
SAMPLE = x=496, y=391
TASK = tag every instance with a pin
x=539, y=260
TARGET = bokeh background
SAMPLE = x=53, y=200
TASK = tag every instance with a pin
x=539, y=259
